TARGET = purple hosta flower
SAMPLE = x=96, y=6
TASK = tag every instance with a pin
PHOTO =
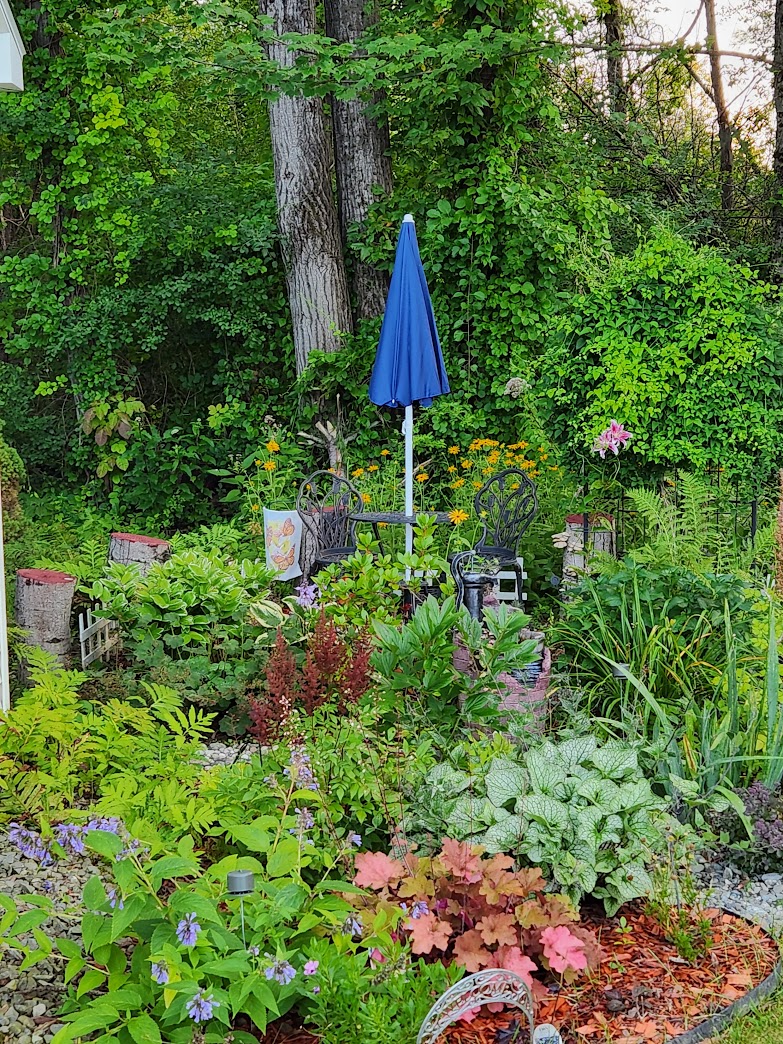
x=160, y=973
x=352, y=926
x=419, y=909
x=307, y=595
x=200, y=1007
x=188, y=929
x=280, y=971
x=310, y=968
x=114, y=901
x=30, y=844
x=298, y=769
x=355, y=839
x=71, y=837
x=612, y=438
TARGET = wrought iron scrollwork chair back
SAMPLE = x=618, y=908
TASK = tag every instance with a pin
x=506, y=504
x=327, y=504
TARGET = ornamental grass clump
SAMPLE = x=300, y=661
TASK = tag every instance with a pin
x=473, y=910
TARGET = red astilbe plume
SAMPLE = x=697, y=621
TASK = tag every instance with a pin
x=329, y=653
x=269, y=713
x=312, y=696
x=356, y=676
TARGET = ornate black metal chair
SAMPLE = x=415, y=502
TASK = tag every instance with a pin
x=327, y=505
x=506, y=505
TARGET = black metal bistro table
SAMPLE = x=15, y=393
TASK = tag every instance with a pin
x=396, y=518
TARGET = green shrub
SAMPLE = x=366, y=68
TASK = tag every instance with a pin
x=682, y=346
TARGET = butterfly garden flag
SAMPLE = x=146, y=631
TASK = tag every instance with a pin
x=283, y=539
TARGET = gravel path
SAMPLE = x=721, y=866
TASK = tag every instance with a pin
x=29, y=1000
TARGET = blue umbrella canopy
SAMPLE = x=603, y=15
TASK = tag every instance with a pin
x=409, y=363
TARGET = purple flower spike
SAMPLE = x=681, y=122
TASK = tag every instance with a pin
x=114, y=902
x=280, y=971
x=188, y=929
x=200, y=1008
x=307, y=595
x=160, y=973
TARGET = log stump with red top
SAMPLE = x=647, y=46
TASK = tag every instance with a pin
x=140, y=551
x=43, y=609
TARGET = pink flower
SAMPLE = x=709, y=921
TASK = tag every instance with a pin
x=563, y=950
x=612, y=438
x=310, y=968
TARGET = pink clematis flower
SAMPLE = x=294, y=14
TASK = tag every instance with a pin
x=612, y=438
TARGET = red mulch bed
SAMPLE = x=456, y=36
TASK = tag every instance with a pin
x=643, y=992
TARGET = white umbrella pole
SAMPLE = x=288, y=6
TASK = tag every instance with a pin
x=408, y=432
x=5, y=674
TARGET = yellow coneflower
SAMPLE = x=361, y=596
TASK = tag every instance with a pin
x=458, y=517
x=466, y=463
x=422, y=476
x=270, y=465
x=385, y=453
x=366, y=498
x=272, y=446
x=258, y=463
x=357, y=472
x=477, y=485
x=452, y=468
x=454, y=450
x=255, y=507
x=373, y=467
x=458, y=483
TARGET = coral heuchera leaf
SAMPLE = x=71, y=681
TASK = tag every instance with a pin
x=377, y=870
x=462, y=860
x=563, y=950
x=512, y=959
x=498, y=928
x=428, y=933
x=470, y=952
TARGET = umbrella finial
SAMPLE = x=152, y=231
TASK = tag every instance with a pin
x=408, y=217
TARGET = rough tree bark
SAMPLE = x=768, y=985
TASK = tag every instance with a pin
x=613, y=24
x=719, y=98
x=361, y=155
x=777, y=156
x=307, y=216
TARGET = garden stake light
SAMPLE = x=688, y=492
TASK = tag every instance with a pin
x=241, y=883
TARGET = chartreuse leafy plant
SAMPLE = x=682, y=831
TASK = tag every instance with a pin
x=581, y=811
x=135, y=756
x=477, y=911
x=194, y=963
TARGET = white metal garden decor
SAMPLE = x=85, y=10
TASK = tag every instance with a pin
x=491, y=986
x=97, y=637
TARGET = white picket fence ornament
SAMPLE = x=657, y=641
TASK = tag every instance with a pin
x=96, y=637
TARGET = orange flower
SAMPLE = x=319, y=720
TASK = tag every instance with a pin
x=458, y=517
x=357, y=472
x=270, y=465
x=422, y=476
x=454, y=450
x=272, y=446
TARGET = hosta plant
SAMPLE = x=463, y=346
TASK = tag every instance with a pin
x=581, y=811
x=476, y=911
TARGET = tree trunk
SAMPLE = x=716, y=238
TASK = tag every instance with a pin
x=43, y=609
x=307, y=217
x=140, y=551
x=613, y=23
x=361, y=154
x=777, y=156
x=719, y=97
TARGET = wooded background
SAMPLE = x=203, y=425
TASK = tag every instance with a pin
x=200, y=204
